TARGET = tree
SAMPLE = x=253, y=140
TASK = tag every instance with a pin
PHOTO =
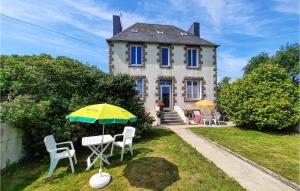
x=288, y=57
x=256, y=61
x=264, y=99
x=37, y=92
x=222, y=84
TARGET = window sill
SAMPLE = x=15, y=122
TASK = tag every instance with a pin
x=136, y=65
x=141, y=98
x=193, y=67
x=161, y=66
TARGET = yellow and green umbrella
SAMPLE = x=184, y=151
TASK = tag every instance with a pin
x=103, y=113
x=205, y=104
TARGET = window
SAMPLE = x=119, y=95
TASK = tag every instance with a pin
x=193, y=90
x=165, y=58
x=192, y=58
x=136, y=55
x=139, y=87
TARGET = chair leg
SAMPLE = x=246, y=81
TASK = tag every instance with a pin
x=130, y=147
x=72, y=166
x=122, y=153
x=52, y=167
x=112, y=149
x=75, y=159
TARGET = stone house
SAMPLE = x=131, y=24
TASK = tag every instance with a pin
x=169, y=64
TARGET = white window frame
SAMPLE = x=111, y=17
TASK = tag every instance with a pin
x=142, y=87
x=168, y=56
x=197, y=57
x=136, y=46
x=199, y=82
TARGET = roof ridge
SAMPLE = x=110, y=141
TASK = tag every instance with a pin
x=154, y=24
x=146, y=32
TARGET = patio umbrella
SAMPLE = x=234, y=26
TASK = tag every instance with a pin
x=104, y=114
x=205, y=104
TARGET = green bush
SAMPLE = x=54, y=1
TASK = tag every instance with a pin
x=264, y=98
x=37, y=92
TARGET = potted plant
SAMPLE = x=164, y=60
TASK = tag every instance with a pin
x=160, y=105
x=186, y=112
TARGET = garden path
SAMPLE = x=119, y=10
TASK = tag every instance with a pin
x=248, y=176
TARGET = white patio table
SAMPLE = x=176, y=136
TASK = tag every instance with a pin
x=94, y=143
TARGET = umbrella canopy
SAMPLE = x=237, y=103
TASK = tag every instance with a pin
x=103, y=113
x=205, y=104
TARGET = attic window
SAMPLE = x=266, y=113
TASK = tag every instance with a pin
x=183, y=34
x=134, y=30
x=160, y=32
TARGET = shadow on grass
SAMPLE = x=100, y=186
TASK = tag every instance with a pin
x=151, y=173
x=20, y=175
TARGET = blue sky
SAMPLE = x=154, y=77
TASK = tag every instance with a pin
x=242, y=28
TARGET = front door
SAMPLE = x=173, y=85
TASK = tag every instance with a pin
x=165, y=96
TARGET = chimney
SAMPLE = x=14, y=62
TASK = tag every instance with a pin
x=117, y=26
x=195, y=29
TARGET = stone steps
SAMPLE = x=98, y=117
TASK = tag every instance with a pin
x=171, y=118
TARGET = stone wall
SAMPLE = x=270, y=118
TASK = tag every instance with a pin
x=10, y=145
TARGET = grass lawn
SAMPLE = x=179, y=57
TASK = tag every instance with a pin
x=162, y=161
x=279, y=153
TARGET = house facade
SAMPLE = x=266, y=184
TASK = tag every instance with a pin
x=169, y=64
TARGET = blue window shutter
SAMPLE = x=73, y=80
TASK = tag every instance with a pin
x=165, y=57
x=132, y=55
x=139, y=55
x=189, y=57
x=194, y=58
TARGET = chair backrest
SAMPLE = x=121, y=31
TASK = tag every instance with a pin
x=207, y=114
x=129, y=133
x=50, y=144
x=196, y=113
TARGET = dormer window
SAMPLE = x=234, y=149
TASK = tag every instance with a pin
x=183, y=34
x=134, y=30
x=136, y=55
x=160, y=32
x=192, y=58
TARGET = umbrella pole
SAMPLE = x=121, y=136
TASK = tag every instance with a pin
x=100, y=179
x=100, y=170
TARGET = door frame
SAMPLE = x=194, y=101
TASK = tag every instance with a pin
x=170, y=96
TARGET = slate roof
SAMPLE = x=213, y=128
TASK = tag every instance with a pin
x=143, y=32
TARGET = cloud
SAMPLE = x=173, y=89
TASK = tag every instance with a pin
x=221, y=17
x=287, y=6
x=230, y=65
x=88, y=16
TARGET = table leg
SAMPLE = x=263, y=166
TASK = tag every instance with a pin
x=95, y=151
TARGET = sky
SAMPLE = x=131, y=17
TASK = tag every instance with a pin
x=78, y=28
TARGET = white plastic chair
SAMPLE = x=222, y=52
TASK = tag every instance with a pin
x=128, y=134
x=59, y=153
x=206, y=117
x=216, y=118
